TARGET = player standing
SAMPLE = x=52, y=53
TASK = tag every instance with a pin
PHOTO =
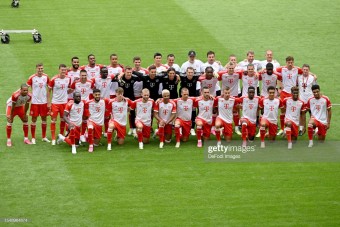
x=192, y=62
x=321, y=110
x=114, y=69
x=59, y=85
x=40, y=96
x=92, y=69
x=73, y=73
x=171, y=63
x=165, y=113
x=73, y=116
x=18, y=104
x=83, y=86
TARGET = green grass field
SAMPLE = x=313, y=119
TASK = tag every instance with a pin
x=169, y=187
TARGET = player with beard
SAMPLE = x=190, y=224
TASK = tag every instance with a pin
x=73, y=116
x=293, y=108
x=73, y=73
x=114, y=69
x=83, y=86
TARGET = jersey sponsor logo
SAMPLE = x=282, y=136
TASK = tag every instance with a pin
x=230, y=81
x=145, y=110
x=271, y=108
x=120, y=109
x=78, y=110
x=185, y=108
x=171, y=87
x=289, y=76
x=268, y=82
x=97, y=109
x=226, y=106
x=165, y=111
x=62, y=86
x=293, y=108
x=83, y=90
x=251, y=106
x=318, y=107
x=104, y=84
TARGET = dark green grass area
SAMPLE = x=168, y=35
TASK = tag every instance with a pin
x=165, y=187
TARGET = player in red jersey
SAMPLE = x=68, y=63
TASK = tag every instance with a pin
x=321, y=111
x=40, y=96
x=226, y=106
x=293, y=108
x=59, y=85
x=73, y=116
x=204, y=118
x=143, y=107
x=184, y=112
x=95, y=110
x=250, y=109
x=92, y=69
x=270, y=106
x=118, y=107
x=17, y=105
x=73, y=73
x=165, y=113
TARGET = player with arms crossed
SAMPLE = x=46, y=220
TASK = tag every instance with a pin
x=40, y=96
x=205, y=107
x=183, y=121
x=165, y=113
x=143, y=107
x=250, y=109
x=294, y=108
x=226, y=106
x=73, y=116
x=270, y=106
x=118, y=107
x=321, y=110
x=18, y=104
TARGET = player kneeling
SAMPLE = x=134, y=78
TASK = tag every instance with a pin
x=73, y=116
x=321, y=112
x=293, y=108
x=270, y=106
x=118, y=107
x=165, y=113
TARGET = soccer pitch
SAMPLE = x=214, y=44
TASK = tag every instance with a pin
x=168, y=187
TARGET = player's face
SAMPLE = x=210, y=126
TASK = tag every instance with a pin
x=190, y=74
x=290, y=64
x=295, y=94
x=209, y=74
x=62, y=71
x=305, y=71
x=251, y=93
x=233, y=60
x=92, y=60
x=128, y=74
x=206, y=93
x=316, y=93
x=77, y=98
x=40, y=70
x=269, y=71
x=250, y=70
x=96, y=96
x=114, y=60
x=83, y=77
x=137, y=64
x=145, y=96
x=75, y=63
x=24, y=91
x=211, y=58
x=192, y=58
x=226, y=94
x=271, y=94
x=171, y=60
x=104, y=73
x=172, y=75
x=119, y=96
x=269, y=56
x=166, y=97
x=152, y=73
x=185, y=95
x=158, y=60
x=250, y=58
x=231, y=70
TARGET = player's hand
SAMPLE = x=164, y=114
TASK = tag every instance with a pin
x=158, y=100
x=9, y=119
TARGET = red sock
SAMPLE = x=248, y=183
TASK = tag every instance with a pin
x=140, y=135
x=83, y=127
x=310, y=132
x=218, y=135
x=161, y=133
x=282, y=121
x=213, y=120
x=9, y=130
x=25, y=129
x=106, y=124
x=109, y=136
x=90, y=136
x=43, y=129
x=236, y=118
x=289, y=134
x=262, y=133
x=199, y=132
x=62, y=127
x=53, y=130
x=33, y=126
x=178, y=134
x=244, y=132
